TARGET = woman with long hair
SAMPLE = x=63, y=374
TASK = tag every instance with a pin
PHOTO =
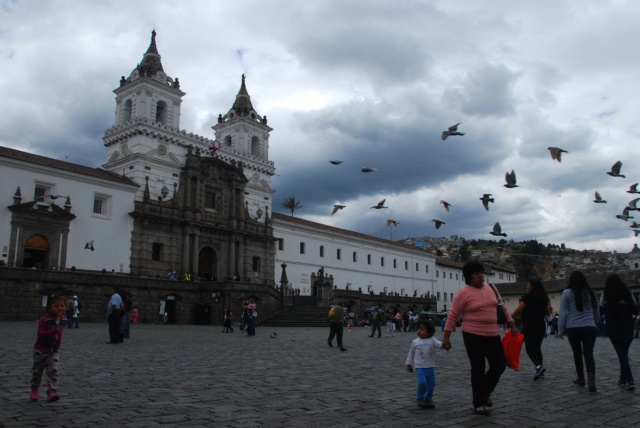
x=619, y=309
x=534, y=307
x=578, y=318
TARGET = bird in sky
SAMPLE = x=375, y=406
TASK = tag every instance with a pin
x=497, y=230
x=453, y=130
x=336, y=208
x=393, y=222
x=438, y=223
x=636, y=232
x=635, y=225
x=367, y=169
x=615, y=170
x=598, y=199
x=632, y=206
x=510, y=178
x=335, y=162
x=633, y=188
x=556, y=153
x=625, y=214
x=380, y=205
x=89, y=246
x=486, y=198
x=446, y=204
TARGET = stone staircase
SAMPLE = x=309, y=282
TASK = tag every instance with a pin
x=305, y=312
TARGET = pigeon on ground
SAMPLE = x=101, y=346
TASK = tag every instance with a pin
x=599, y=199
x=272, y=336
x=633, y=188
x=632, y=206
x=380, y=205
x=625, y=214
x=89, y=246
x=453, y=130
x=446, y=204
x=497, y=230
x=336, y=208
x=335, y=162
x=511, y=180
x=485, y=200
x=367, y=169
x=275, y=334
x=615, y=170
x=556, y=153
x=438, y=223
x=393, y=222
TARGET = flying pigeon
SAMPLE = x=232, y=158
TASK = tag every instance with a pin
x=380, y=205
x=637, y=232
x=625, y=214
x=632, y=206
x=438, y=223
x=446, y=204
x=453, y=130
x=633, y=188
x=336, y=208
x=89, y=246
x=497, y=230
x=485, y=200
x=615, y=170
x=393, y=222
x=511, y=180
x=335, y=162
x=368, y=169
x=556, y=153
x=599, y=199
x=635, y=225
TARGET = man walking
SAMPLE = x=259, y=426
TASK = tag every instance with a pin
x=114, y=309
x=337, y=321
x=377, y=321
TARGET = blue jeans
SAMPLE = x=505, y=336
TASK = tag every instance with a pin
x=622, y=349
x=478, y=349
x=426, y=384
x=582, y=341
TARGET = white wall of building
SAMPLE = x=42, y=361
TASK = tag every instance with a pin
x=110, y=231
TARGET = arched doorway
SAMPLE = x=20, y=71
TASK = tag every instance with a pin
x=208, y=264
x=36, y=252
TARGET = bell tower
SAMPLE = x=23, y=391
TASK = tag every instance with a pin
x=146, y=140
x=244, y=137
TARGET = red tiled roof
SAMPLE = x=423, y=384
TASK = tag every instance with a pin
x=62, y=165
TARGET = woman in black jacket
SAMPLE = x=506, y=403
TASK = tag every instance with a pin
x=619, y=308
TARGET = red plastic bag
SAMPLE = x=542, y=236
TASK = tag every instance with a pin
x=512, y=347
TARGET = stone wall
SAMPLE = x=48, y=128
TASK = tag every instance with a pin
x=22, y=291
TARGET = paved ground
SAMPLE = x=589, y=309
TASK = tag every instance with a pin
x=168, y=375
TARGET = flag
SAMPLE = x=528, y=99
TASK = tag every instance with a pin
x=215, y=146
x=393, y=222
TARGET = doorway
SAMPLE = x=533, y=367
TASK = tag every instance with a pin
x=208, y=264
x=36, y=252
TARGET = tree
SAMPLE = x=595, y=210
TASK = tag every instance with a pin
x=291, y=204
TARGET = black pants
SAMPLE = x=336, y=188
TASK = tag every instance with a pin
x=336, y=331
x=480, y=348
x=114, y=326
x=533, y=345
x=376, y=326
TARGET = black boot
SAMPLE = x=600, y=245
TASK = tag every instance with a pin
x=591, y=382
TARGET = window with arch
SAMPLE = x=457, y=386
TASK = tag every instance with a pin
x=255, y=146
x=127, y=111
x=227, y=140
x=161, y=112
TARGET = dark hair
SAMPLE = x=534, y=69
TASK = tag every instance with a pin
x=427, y=324
x=538, y=293
x=617, y=292
x=580, y=287
x=471, y=267
x=53, y=299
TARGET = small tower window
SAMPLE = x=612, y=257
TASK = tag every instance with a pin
x=255, y=146
x=227, y=140
x=161, y=112
x=126, y=113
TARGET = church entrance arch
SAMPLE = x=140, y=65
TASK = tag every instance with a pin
x=208, y=264
x=36, y=252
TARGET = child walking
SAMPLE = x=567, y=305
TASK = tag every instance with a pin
x=45, y=350
x=421, y=357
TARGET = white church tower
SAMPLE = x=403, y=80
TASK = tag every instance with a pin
x=244, y=137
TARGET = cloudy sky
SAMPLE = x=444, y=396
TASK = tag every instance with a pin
x=372, y=83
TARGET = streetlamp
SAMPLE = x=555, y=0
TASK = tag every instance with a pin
x=259, y=213
x=164, y=192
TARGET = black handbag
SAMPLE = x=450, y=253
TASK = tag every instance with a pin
x=502, y=317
